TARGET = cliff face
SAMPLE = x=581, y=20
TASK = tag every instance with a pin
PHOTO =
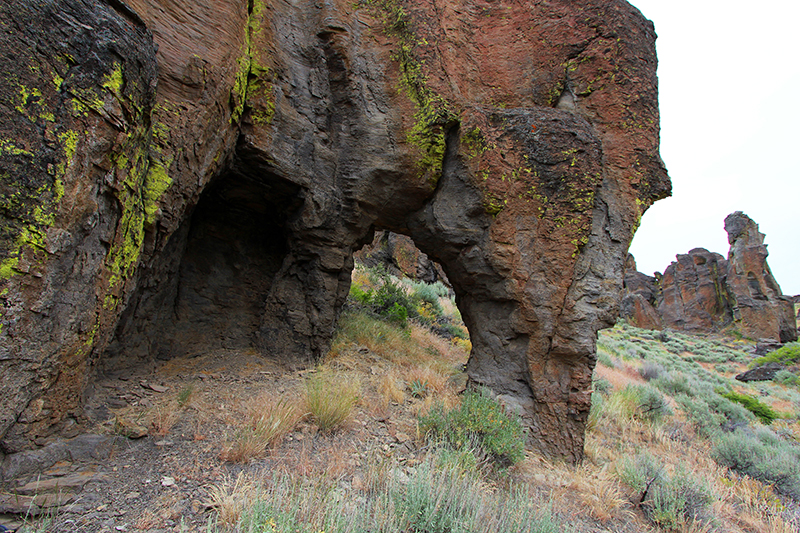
x=702, y=291
x=185, y=176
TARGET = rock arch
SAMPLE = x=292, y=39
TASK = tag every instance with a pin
x=258, y=148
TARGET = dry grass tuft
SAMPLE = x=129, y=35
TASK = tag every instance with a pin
x=268, y=422
x=593, y=489
x=391, y=389
x=231, y=498
x=330, y=398
x=161, y=418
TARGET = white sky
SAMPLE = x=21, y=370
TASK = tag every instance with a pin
x=729, y=72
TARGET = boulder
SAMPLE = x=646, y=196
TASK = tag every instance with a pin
x=400, y=257
x=179, y=177
x=761, y=373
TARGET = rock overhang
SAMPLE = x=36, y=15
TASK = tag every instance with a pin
x=517, y=145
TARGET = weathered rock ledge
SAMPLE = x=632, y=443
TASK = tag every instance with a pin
x=178, y=177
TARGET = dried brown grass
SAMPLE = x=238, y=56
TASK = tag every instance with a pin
x=391, y=389
x=231, y=498
x=330, y=398
x=268, y=421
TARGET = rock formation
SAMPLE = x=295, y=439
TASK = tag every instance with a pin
x=400, y=257
x=641, y=293
x=758, y=304
x=185, y=176
x=702, y=291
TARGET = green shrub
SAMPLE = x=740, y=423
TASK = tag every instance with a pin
x=726, y=368
x=652, y=406
x=767, y=459
x=671, y=501
x=787, y=354
x=764, y=412
x=454, y=330
x=678, y=501
x=706, y=421
x=650, y=370
x=388, y=300
x=785, y=377
x=481, y=421
x=674, y=383
x=604, y=359
x=602, y=386
x=426, y=292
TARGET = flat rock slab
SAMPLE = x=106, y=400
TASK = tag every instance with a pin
x=33, y=505
x=81, y=449
x=761, y=373
x=73, y=481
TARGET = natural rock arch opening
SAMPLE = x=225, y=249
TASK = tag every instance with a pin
x=343, y=123
x=206, y=289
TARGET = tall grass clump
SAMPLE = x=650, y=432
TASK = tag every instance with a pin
x=481, y=421
x=437, y=497
x=330, y=398
x=445, y=498
x=268, y=422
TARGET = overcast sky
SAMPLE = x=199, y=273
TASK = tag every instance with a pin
x=729, y=74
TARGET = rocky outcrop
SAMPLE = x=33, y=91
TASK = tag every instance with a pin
x=761, y=373
x=400, y=257
x=179, y=177
x=639, y=300
x=693, y=294
x=759, y=305
x=702, y=291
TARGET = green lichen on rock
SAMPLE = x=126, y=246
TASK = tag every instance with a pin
x=28, y=211
x=249, y=67
x=113, y=80
x=239, y=91
x=123, y=256
x=156, y=184
x=259, y=95
x=8, y=147
x=433, y=113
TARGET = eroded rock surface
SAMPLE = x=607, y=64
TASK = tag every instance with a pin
x=179, y=177
x=400, y=257
x=702, y=291
x=759, y=303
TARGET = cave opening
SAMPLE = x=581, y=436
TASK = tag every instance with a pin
x=234, y=248
x=205, y=291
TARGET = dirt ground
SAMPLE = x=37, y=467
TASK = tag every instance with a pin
x=161, y=438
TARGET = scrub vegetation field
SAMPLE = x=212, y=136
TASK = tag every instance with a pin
x=385, y=436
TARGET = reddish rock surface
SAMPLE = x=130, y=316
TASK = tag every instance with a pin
x=702, y=291
x=759, y=306
x=211, y=194
x=693, y=293
x=400, y=257
x=641, y=293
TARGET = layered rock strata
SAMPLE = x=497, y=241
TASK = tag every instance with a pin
x=702, y=291
x=184, y=176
